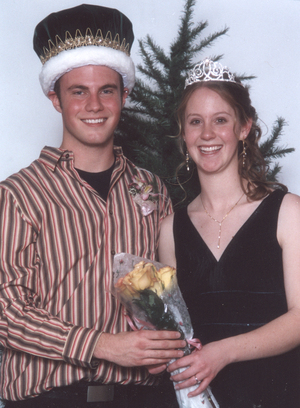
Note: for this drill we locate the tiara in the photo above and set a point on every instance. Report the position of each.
(209, 70)
(80, 41)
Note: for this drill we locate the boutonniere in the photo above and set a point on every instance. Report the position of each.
(144, 194)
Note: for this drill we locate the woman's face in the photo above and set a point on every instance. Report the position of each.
(212, 132)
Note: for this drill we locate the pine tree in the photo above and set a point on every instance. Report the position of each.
(271, 151)
(148, 127)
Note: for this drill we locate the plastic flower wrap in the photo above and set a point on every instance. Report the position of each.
(150, 293)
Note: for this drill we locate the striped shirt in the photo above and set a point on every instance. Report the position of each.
(58, 239)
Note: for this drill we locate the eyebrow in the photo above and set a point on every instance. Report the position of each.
(217, 113)
(85, 88)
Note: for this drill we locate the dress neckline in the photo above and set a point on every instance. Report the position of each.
(239, 231)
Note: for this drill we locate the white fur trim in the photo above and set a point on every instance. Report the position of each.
(67, 60)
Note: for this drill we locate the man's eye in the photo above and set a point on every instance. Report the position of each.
(107, 91)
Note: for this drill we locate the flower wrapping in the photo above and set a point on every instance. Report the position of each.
(150, 293)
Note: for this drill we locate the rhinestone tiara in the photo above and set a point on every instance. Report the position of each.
(79, 40)
(209, 70)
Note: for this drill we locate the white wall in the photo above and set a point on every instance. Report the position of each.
(263, 40)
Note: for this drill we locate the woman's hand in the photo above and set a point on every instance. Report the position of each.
(202, 366)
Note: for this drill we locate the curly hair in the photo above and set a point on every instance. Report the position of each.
(254, 169)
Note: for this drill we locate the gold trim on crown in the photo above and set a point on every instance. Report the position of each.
(80, 41)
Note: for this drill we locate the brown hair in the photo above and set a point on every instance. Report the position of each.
(254, 171)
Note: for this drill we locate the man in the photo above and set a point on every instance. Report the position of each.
(65, 337)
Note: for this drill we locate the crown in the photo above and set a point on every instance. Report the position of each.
(209, 70)
(79, 41)
(91, 35)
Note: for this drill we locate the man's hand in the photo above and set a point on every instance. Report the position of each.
(156, 368)
(140, 348)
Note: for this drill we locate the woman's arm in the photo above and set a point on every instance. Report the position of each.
(276, 337)
(166, 249)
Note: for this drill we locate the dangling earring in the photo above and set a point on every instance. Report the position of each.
(187, 160)
(244, 153)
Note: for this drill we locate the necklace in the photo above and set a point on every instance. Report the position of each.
(220, 222)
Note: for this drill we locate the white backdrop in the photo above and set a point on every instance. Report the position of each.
(263, 40)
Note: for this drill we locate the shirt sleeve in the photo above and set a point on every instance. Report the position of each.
(24, 325)
(165, 203)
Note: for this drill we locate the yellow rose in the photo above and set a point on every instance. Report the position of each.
(157, 287)
(124, 287)
(166, 275)
(145, 276)
(142, 276)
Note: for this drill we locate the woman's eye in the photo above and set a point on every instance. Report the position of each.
(221, 120)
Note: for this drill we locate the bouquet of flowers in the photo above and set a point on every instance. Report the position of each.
(150, 293)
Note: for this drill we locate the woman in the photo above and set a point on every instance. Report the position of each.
(237, 252)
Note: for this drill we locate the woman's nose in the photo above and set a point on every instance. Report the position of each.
(207, 132)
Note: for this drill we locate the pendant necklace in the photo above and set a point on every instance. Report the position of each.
(220, 222)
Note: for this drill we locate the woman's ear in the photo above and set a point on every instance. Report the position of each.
(246, 129)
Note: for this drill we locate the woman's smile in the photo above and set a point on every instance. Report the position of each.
(209, 149)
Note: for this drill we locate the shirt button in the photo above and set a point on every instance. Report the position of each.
(110, 212)
(67, 155)
(113, 252)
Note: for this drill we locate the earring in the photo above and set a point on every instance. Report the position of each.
(187, 161)
(244, 153)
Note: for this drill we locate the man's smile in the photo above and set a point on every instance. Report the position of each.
(94, 121)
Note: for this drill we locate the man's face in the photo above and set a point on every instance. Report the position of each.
(90, 103)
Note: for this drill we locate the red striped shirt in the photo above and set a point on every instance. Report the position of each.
(58, 239)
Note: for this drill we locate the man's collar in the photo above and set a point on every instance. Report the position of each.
(51, 156)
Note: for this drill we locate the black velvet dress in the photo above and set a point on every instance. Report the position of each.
(241, 292)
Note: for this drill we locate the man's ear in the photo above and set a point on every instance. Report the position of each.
(55, 101)
(124, 96)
